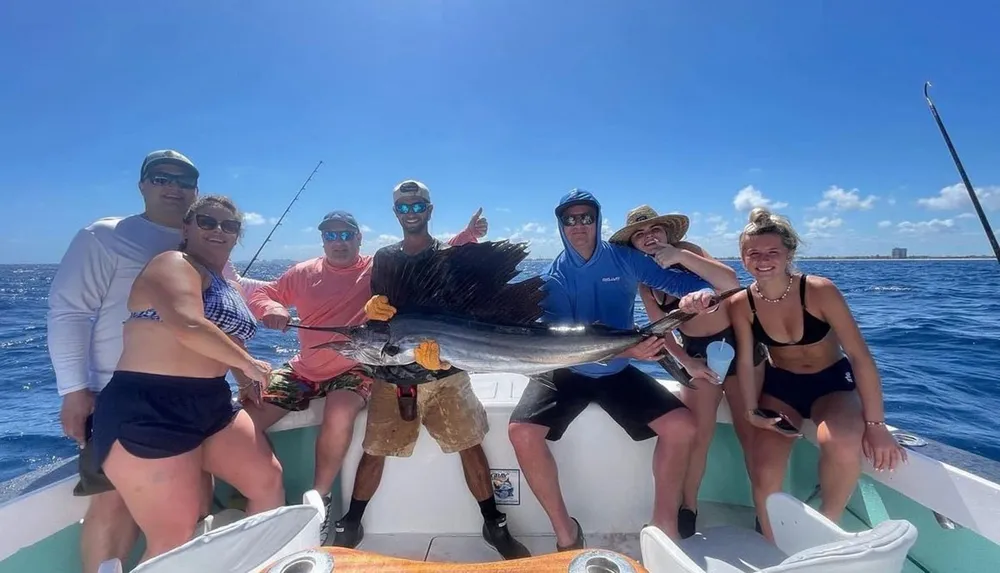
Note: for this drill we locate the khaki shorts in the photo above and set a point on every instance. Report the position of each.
(448, 407)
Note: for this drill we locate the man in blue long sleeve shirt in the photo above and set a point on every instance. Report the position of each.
(595, 281)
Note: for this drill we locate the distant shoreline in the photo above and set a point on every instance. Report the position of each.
(887, 258)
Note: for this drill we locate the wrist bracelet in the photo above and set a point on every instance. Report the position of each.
(875, 423)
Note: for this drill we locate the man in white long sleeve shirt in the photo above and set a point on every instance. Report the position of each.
(87, 306)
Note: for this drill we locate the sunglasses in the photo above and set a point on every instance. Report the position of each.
(209, 223)
(164, 179)
(339, 235)
(574, 220)
(404, 208)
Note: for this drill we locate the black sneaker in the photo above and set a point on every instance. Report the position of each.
(498, 537)
(348, 533)
(578, 543)
(686, 522)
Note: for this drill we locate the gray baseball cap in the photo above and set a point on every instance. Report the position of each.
(411, 188)
(167, 156)
(342, 216)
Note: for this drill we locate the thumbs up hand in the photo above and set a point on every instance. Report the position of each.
(478, 225)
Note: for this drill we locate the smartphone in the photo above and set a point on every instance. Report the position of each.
(783, 425)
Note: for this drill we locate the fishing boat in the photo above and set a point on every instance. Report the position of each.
(938, 513)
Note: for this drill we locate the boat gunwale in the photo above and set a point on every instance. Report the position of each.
(962, 469)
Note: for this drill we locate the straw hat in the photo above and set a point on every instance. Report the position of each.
(675, 224)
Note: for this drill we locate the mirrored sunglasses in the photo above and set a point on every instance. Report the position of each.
(573, 220)
(339, 235)
(404, 208)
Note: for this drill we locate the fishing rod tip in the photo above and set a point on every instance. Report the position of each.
(927, 85)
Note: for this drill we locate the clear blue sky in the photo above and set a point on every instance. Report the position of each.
(702, 108)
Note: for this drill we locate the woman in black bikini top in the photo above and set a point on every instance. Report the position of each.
(811, 373)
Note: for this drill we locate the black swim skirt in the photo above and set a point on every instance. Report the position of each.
(158, 416)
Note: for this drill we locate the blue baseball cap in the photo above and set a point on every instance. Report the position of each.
(342, 216)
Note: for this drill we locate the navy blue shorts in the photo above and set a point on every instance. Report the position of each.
(157, 416)
(800, 391)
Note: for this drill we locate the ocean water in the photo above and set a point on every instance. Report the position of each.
(933, 328)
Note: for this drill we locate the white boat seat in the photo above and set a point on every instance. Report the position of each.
(247, 545)
(806, 542)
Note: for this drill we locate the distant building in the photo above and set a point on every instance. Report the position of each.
(899, 253)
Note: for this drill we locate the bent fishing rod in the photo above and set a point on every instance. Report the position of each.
(281, 218)
(965, 178)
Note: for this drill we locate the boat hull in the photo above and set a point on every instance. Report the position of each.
(607, 483)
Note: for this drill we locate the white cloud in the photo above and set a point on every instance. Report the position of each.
(309, 230)
(957, 197)
(843, 200)
(533, 228)
(890, 201)
(251, 218)
(606, 230)
(927, 227)
(446, 236)
(884, 224)
(824, 223)
(539, 246)
(966, 216)
(749, 197)
(817, 228)
(384, 240)
(366, 229)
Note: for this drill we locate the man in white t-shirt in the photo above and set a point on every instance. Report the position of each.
(87, 305)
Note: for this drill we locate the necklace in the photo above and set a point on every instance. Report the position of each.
(780, 298)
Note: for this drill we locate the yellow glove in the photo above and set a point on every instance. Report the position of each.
(378, 308)
(428, 355)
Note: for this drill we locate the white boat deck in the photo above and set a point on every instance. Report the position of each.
(473, 549)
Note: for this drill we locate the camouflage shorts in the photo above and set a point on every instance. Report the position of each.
(290, 392)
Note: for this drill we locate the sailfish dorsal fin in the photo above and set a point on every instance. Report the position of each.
(470, 281)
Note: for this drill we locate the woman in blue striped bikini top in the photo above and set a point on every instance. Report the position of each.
(224, 307)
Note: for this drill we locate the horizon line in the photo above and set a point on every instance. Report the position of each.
(719, 258)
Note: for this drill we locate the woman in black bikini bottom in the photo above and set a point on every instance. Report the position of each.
(826, 373)
(660, 236)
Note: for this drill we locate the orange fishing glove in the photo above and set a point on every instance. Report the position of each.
(428, 355)
(378, 308)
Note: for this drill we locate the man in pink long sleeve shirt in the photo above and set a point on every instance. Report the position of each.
(330, 290)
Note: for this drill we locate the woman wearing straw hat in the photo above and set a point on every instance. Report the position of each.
(660, 236)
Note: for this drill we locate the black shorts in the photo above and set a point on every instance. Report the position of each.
(631, 397)
(800, 391)
(697, 347)
(92, 478)
(157, 416)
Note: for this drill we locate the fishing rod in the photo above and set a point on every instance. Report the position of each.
(965, 178)
(281, 218)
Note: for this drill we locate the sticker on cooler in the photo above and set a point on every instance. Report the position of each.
(506, 486)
